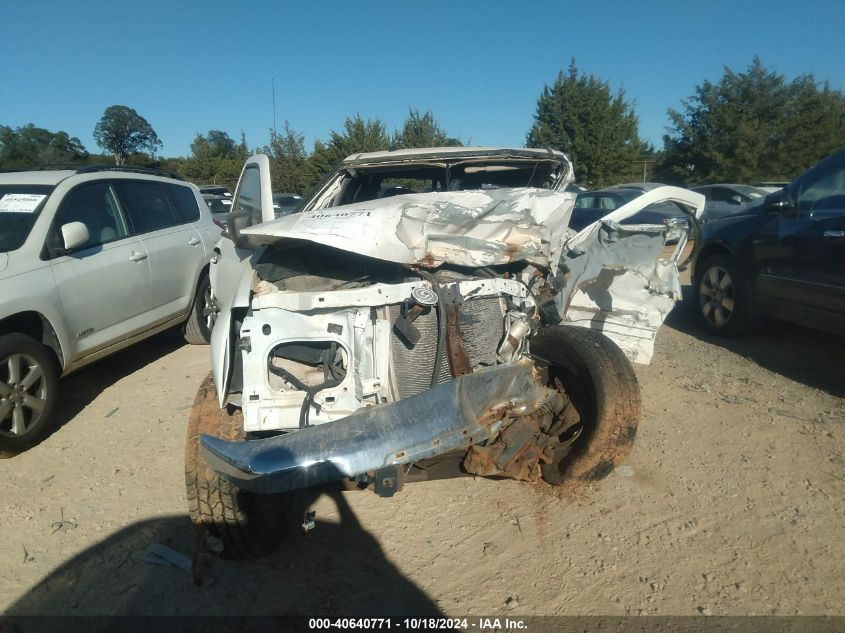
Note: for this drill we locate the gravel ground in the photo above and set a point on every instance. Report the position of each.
(730, 503)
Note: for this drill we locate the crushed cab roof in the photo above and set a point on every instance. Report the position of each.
(451, 152)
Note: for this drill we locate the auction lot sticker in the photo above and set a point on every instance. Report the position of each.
(20, 202)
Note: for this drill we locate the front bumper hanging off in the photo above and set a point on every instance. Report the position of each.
(457, 414)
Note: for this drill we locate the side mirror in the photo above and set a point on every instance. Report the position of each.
(736, 199)
(779, 202)
(74, 234)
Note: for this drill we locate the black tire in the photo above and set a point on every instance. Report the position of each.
(601, 384)
(720, 299)
(29, 381)
(249, 525)
(203, 313)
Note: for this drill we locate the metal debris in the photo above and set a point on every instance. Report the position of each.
(62, 525)
(158, 554)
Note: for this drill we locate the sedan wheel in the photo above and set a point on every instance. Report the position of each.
(722, 301)
(716, 296)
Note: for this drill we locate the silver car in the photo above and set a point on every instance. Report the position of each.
(92, 260)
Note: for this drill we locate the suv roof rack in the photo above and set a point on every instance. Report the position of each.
(54, 167)
(82, 168)
(137, 169)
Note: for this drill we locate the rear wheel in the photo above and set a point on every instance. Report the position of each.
(29, 378)
(248, 524)
(203, 314)
(720, 295)
(601, 384)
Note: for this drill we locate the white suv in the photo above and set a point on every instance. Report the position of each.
(92, 260)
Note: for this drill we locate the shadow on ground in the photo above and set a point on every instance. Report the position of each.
(336, 569)
(80, 388)
(806, 356)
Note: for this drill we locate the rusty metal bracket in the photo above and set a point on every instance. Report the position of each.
(458, 359)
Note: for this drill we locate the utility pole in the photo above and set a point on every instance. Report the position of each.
(645, 165)
(273, 84)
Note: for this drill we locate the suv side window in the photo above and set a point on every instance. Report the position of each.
(184, 202)
(97, 207)
(147, 206)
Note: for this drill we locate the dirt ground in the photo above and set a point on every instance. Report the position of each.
(731, 503)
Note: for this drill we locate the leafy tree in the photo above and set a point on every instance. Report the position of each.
(289, 166)
(215, 158)
(421, 130)
(30, 146)
(122, 131)
(220, 143)
(358, 136)
(752, 125)
(578, 115)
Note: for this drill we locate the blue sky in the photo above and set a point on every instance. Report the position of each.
(188, 67)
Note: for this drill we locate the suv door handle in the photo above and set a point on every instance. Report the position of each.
(835, 233)
(194, 241)
(137, 256)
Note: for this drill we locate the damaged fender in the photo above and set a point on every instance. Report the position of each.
(617, 282)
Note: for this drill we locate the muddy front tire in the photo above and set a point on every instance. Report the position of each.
(601, 383)
(249, 525)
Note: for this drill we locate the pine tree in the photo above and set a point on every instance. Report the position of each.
(579, 116)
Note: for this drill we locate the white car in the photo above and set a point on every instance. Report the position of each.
(92, 260)
(428, 312)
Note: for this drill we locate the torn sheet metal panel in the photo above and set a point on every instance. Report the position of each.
(455, 414)
(617, 285)
(616, 281)
(464, 228)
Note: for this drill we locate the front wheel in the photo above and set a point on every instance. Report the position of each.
(600, 382)
(248, 524)
(29, 379)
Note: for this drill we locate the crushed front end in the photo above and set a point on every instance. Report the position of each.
(390, 340)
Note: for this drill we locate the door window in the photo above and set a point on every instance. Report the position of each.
(607, 203)
(721, 194)
(184, 202)
(147, 206)
(97, 207)
(586, 202)
(822, 194)
(249, 194)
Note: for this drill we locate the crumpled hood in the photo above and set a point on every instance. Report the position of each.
(464, 228)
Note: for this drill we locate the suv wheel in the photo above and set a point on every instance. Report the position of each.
(28, 384)
(720, 297)
(203, 314)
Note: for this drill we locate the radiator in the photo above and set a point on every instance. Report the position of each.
(482, 329)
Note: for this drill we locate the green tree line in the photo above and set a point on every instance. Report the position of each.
(750, 125)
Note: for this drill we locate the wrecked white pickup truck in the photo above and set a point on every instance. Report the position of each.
(426, 314)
